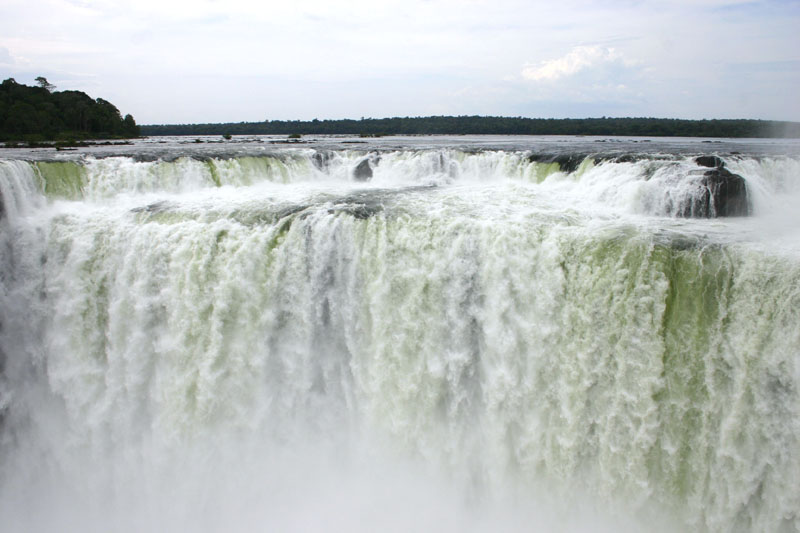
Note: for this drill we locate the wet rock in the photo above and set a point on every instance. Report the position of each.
(363, 205)
(321, 160)
(569, 163)
(710, 161)
(721, 193)
(566, 162)
(363, 171)
(157, 207)
(359, 211)
(728, 193)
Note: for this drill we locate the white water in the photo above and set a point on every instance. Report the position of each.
(467, 342)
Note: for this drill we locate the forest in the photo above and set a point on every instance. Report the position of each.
(481, 125)
(39, 113)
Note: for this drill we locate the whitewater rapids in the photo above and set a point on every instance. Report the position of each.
(473, 340)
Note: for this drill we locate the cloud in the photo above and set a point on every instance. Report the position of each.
(639, 59)
(5, 56)
(577, 60)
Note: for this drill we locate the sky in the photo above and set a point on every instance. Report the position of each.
(193, 61)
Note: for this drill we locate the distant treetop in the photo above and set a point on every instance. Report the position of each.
(481, 125)
(44, 84)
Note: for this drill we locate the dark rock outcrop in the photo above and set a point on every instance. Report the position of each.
(567, 163)
(157, 207)
(721, 193)
(627, 158)
(359, 211)
(363, 171)
(710, 161)
(321, 160)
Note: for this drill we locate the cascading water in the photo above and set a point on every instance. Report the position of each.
(468, 341)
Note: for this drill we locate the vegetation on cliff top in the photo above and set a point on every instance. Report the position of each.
(35, 114)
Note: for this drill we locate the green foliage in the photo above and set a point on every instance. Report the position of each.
(36, 114)
(295, 136)
(475, 125)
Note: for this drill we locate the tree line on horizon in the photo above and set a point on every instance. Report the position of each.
(487, 125)
(36, 114)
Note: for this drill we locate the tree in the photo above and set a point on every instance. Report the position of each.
(130, 129)
(36, 111)
(44, 84)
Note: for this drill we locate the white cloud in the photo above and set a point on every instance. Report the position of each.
(578, 59)
(5, 56)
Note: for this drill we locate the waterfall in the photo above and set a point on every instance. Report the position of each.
(470, 340)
